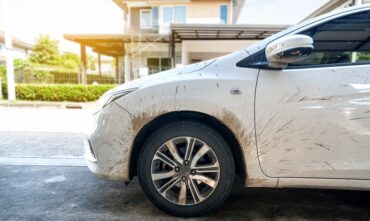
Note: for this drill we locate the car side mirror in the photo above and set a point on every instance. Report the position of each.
(289, 49)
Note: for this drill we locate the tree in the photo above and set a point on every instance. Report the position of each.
(45, 51)
(70, 60)
(91, 62)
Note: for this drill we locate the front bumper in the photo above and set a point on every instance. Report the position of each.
(108, 143)
(89, 155)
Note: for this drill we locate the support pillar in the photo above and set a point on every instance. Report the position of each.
(121, 69)
(99, 64)
(8, 52)
(83, 64)
(117, 71)
(184, 54)
(173, 49)
(127, 68)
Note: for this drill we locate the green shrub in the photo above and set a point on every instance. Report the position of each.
(4, 87)
(75, 93)
(2, 70)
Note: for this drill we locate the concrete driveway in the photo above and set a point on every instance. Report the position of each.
(43, 177)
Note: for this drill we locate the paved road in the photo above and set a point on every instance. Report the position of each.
(60, 188)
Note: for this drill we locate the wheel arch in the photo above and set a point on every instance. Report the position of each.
(208, 120)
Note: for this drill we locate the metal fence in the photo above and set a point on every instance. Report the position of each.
(65, 77)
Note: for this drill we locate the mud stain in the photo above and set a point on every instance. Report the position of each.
(255, 182)
(236, 126)
(141, 119)
(359, 118)
(285, 126)
(245, 136)
(323, 146)
(333, 168)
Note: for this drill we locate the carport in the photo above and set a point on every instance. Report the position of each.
(115, 45)
(112, 45)
(219, 32)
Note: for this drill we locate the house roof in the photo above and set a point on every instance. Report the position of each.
(123, 3)
(224, 31)
(113, 44)
(16, 42)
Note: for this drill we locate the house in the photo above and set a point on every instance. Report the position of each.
(159, 35)
(20, 48)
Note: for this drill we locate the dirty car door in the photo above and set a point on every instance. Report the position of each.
(313, 118)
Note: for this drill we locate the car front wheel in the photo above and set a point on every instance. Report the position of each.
(186, 169)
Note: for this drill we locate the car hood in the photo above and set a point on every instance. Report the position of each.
(159, 77)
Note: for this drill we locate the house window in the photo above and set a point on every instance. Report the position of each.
(179, 14)
(223, 14)
(158, 64)
(145, 19)
(155, 16)
(167, 15)
(176, 14)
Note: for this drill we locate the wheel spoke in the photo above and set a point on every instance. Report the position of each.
(189, 147)
(182, 194)
(172, 148)
(203, 150)
(167, 186)
(194, 191)
(163, 175)
(204, 179)
(165, 159)
(212, 168)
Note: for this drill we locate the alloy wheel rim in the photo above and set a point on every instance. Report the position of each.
(185, 171)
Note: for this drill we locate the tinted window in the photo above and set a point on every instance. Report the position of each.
(342, 41)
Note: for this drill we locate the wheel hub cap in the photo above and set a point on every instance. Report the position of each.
(185, 170)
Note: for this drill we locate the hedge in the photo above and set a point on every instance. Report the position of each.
(75, 93)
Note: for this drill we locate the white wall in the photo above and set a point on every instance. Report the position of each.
(17, 52)
(204, 50)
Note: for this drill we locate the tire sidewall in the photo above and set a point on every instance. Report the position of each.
(206, 135)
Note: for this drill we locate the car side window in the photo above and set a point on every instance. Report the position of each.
(345, 40)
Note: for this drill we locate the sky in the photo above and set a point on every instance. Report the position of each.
(282, 12)
(29, 18)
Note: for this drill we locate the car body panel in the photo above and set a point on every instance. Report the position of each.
(316, 123)
(200, 91)
(110, 139)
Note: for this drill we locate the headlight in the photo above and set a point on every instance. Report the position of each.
(106, 99)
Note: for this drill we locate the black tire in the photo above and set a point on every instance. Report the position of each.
(218, 145)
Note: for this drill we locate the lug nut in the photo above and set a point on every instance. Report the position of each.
(193, 171)
(177, 169)
(183, 178)
(186, 162)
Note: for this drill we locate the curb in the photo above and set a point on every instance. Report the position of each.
(60, 105)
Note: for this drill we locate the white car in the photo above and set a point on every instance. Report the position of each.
(292, 110)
